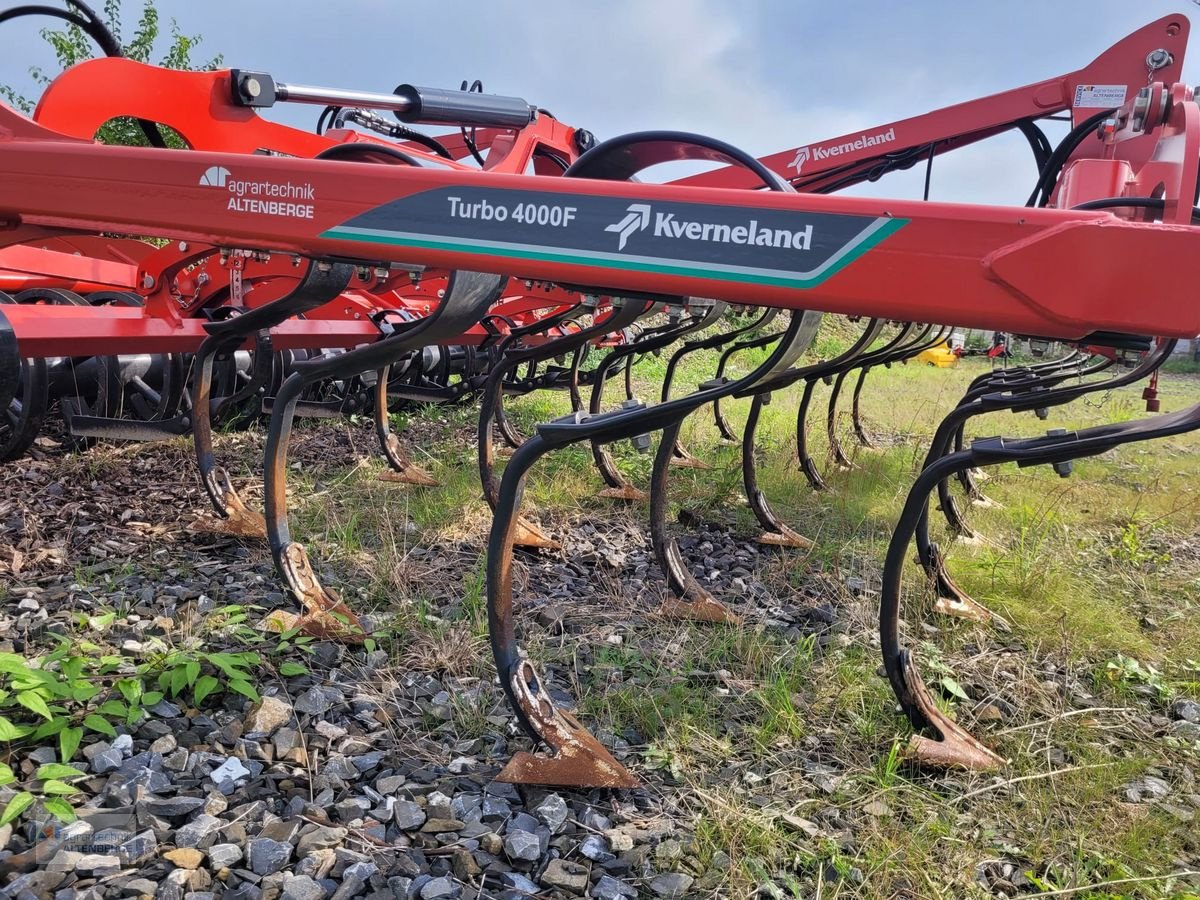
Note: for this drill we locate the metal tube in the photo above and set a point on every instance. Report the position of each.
(326, 96)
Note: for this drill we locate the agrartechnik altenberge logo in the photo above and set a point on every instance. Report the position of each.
(279, 197)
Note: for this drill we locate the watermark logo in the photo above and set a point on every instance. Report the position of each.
(215, 176)
(94, 833)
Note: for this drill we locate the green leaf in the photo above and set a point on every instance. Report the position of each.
(82, 693)
(6, 774)
(68, 742)
(290, 669)
(51, 728)
(100, 724)
(205, 686)
(57, 770)
(16, 806)
(151, 697)
(61, 788)
(130, 688)
(192, 670)
(60, 809)
(953, 687)
(164, 681)
(113, 708)
(13, 664)
(35, 703)
(179, 680)
(10, 732)
(245, 688)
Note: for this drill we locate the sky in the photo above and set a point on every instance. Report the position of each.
(764, 76)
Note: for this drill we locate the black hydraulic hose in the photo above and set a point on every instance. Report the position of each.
(1155, 203)
(1049, 174)
(357, 151)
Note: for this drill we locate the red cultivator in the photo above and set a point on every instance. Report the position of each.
(349, 270)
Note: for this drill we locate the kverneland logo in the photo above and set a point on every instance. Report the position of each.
(748, 232)
(818, 153)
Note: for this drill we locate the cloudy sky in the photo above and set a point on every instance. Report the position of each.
(765, 75)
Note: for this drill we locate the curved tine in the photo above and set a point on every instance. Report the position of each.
(654, 339)
(322, 282)
(401, 469)
(511, 436)
(578, 758)
(723, 426)
(686, 597)
(573, 380)
(899, 345)
(467, 298)
(955, 747)
(775, 531)
(622, 315)
(860, 429)
(835, 443)
(679, 454)
(824, 371)
(1034, 382)
(807, 465)
(1017, 399)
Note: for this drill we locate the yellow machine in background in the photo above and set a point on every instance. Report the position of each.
(939, 355)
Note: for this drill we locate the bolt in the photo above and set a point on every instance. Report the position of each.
(1158, 59)
(1065, 467)
(251, 87)
(147, 281)
(640, 442)
(1042, 413)
(323, 266)
(183, 246)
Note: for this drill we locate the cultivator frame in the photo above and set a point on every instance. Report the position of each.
(387, 255)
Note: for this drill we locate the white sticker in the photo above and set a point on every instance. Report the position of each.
(1100, 96)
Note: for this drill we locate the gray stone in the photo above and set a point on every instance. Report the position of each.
(97, 864)
(553, 811)
(407, 815)
(138, 849)
(199, 832)
(224, 856)
(323, 837)
(671, 884)
(440, 889)
(1146, 789)
(609, 888)
(519, 882)
(301, 887)
(351, 886)
(1186, 710)
(267, 715)
(569, 876)
(361, 870)
(227, 775)
(107, 761)
(319, 699)
(595, 848)
(268, 856)
(522, 846)
(170, 807)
